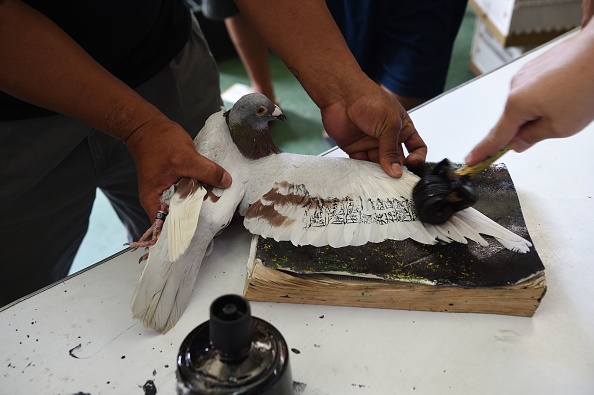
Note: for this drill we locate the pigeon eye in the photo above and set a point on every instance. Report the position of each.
(262, 110)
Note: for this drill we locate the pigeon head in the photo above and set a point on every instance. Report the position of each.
(248, 121)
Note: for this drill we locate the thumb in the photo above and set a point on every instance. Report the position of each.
(209, 172)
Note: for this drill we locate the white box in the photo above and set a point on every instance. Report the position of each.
(527, 22)
(487, 53)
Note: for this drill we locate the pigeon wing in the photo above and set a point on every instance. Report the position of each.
(336, 202)
(351, 202)
(184, 210)
(166, 284)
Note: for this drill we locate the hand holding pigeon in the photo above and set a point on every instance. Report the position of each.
(308, 200)
(374, 130)
(161, 165)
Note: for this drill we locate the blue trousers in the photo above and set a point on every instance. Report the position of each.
(404, 44)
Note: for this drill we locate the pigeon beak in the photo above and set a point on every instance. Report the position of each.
(278, 114)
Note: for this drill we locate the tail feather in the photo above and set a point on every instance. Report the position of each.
(165, 287)
(164, 291)
(166, 306)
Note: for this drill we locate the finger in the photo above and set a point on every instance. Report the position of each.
(502, 133)
(373, 155)
(364, 144)
(210, 173)
(415, 145)
(520, 145)
(390, 152)
(359, 156)
(391, 159)
(151, 203)
(200, 168)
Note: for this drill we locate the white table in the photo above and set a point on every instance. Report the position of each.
(77, 336)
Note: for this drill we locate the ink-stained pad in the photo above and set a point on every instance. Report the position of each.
(407, 274)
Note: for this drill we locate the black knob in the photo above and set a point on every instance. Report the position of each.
(231, 330)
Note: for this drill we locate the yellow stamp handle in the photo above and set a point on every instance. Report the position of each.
(473, 171)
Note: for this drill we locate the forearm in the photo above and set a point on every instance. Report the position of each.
(41, 64)
(304, 36)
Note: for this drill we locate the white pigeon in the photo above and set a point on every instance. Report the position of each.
(308, 200)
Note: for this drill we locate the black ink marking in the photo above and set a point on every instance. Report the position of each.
(298, 387)
(322, 212)
(82, 393)
(296, 351)
(72, 350)
(154, 372)
(322, 316)
(149, 388)
(123, 357)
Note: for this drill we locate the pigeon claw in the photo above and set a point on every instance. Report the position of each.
(153, 232)
(144, 257)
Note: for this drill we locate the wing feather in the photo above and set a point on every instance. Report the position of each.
(340, 202)
(184, 211)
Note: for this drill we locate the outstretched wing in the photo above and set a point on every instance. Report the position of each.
(350, 202)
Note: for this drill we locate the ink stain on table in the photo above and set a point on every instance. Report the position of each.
(149, 388)
(296, 351)
(298, 387)
(71, 352)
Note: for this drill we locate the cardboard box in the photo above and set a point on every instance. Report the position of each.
(527, 22)
(488, 54)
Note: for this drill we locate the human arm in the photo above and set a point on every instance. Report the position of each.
(41, 64)
(587, 11)
(551, 96)
(363, 119)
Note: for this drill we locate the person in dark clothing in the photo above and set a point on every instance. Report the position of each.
(403, 45)
(109, 94)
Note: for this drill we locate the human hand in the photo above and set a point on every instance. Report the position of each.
(373, 126)
(550, 97)
(164, 153)
(587, 11)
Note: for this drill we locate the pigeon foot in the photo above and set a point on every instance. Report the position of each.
(153, 232)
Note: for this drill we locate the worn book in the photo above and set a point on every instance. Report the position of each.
(406, 274)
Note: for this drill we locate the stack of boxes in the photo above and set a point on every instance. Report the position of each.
(505, 29)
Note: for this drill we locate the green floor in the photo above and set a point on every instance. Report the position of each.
(302, 131)
(300, 134)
